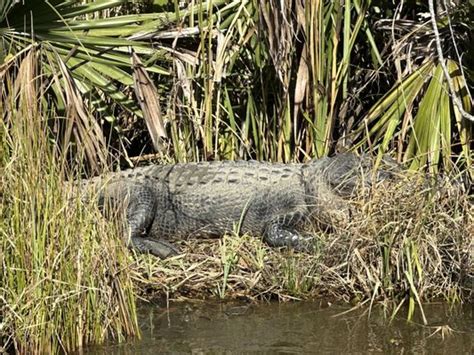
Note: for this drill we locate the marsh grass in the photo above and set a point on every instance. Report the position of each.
(406, 244)
(238, 89)
(65, 274)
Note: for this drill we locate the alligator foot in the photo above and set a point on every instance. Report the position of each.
(159, 248)
(279, 236)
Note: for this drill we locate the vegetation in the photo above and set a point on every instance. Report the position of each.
(247, 79)
(402, 246)
(88, 86)
(64, 280)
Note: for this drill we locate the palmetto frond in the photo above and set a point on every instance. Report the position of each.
(84, 60)
(417, 116)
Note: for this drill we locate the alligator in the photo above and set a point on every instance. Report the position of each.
(272, 200)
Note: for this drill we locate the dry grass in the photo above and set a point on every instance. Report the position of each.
(64, 279)
(405, 244)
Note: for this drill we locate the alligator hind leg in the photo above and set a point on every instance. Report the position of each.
(278, 235)
(141, 211)
(134, 203)
(159, 248)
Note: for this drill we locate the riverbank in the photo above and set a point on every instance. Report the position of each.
(69, 281)
(405, 244)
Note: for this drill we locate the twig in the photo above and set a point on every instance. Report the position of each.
(456, 99)
(455, 46)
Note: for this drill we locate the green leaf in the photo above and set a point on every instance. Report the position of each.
(423, 145)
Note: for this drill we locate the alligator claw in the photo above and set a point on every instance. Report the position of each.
(159, 248)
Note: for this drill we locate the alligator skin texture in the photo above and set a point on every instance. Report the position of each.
(159, 203)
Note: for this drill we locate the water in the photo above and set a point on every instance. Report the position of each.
(302, 327)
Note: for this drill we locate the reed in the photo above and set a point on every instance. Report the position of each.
(65, 272)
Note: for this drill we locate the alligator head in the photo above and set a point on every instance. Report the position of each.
(346, 173)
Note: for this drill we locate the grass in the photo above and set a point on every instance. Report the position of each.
(65, 273)
(67, 278)
(69, 281)
(405, 244)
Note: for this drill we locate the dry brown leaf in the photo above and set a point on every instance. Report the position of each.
(25, 84)
(149, 101)
(87, 131)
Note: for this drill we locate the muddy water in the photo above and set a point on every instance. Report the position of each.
(295, 328)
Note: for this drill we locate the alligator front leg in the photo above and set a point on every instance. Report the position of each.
(277, 235)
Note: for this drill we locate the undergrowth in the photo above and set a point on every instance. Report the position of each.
(405, 244)
(65, 281)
